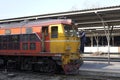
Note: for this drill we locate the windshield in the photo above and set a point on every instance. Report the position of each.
(70, 30)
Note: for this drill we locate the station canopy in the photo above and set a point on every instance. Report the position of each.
(96, 19)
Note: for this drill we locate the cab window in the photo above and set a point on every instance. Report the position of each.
(69, 30)
(54, 32)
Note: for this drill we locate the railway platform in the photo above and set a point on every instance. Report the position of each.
(100, 70)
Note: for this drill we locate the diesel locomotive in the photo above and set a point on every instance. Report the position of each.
(42, 45)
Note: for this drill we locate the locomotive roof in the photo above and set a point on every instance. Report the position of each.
(27, 23)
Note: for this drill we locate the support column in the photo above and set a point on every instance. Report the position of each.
(107, 33)
(97, 43)
(96, 39)
(108, 40)
(112, 40)
(91, 38)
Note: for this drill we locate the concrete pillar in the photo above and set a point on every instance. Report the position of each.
(91, 38)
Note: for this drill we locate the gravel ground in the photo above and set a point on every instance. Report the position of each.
(35, 76)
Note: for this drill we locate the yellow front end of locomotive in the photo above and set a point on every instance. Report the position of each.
(65, 42)
(62, 43)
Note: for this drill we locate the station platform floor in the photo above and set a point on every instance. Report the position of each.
(115, 55)
(100, 68)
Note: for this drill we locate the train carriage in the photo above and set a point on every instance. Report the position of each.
(45, 46)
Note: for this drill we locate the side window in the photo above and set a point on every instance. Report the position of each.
(25, 46)
(15, 38)
(5, 38)
(54, 32)
(0, 46)
(0, 39)
(32, 46)
(25, 37)
(29, 30)
(33, 37)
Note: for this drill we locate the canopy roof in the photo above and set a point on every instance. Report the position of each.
(106, 16)
(84, 18)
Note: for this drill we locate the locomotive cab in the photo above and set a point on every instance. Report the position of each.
(64, 39)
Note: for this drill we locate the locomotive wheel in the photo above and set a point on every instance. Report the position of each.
(45, 66)
(26, 64)
(11, 64)
(50, 66)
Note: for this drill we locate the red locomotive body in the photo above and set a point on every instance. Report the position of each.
(32, 46)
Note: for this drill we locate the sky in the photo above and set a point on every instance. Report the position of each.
(21, 8)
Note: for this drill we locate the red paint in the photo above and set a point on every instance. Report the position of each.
(37, 28)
